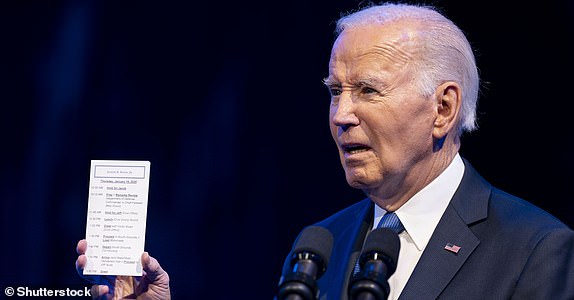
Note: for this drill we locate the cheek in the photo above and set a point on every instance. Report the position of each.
(399, 141)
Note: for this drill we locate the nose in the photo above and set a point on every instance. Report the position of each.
(343, 114)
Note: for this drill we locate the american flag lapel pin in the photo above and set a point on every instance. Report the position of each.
(452, 248)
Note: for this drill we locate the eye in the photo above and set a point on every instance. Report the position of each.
(335, 91)
(368, 90)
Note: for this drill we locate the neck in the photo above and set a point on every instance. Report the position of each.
(393, 195)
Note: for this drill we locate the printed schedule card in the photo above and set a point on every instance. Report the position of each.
(117, 211)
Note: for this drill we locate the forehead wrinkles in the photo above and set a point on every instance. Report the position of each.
(385, 52)
(398, 51)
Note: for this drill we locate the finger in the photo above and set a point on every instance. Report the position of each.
(155, 280)
(81, 264)
(145, 260)
(81, 260)
(81, 247)
(99, 291)
(149, 264)
(151, 267)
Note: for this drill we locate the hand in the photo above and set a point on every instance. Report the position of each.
(153, 285)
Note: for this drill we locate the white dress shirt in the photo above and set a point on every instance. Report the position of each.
(420, 216)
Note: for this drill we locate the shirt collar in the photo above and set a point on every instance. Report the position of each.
(421, 214)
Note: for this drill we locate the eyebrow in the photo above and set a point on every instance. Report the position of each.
(330, 81)
(369, 81)
(365, 81)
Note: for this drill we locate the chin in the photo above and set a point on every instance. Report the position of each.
(358, 182)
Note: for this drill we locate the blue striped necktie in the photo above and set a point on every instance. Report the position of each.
(391, 221)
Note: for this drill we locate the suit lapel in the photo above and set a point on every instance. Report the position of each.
(437, 266)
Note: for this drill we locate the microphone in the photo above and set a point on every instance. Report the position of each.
(308, 262)
(378, 261)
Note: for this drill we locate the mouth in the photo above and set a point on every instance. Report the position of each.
(354, 148)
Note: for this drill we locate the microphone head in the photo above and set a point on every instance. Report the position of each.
(382, 242)
(317, 240)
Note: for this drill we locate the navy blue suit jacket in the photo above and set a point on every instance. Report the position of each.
(510, 249)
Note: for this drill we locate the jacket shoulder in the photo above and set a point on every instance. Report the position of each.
(522, 214)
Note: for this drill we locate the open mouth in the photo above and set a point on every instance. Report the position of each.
(355, 148)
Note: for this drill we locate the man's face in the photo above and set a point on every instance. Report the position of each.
(378, 118)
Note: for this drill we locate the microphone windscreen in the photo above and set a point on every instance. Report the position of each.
(317, 240)
(384, 241)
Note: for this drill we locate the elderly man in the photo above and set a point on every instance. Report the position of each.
(404, 87)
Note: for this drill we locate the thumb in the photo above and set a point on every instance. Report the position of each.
(151, 267)
(155, 280)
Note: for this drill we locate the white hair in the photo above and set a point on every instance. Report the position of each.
(448, 55)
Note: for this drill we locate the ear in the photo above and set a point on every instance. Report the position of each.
(448, 97)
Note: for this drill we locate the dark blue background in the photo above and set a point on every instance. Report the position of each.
(226, 101)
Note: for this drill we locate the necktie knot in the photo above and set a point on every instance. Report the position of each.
(391, 220)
